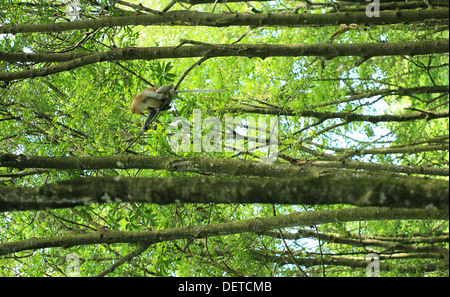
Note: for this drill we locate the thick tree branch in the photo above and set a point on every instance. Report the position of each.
(262, 51)
(199, 165)
(307, 190)
(202, 165)
(332, 261)
(194, 18)
(255, 225)
(347, 116)
(388, 92)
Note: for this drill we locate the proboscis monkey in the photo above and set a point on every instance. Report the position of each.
(154, 100)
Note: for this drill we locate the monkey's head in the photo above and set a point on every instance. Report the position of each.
(136, 107)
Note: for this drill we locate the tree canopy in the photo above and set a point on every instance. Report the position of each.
(327, 154)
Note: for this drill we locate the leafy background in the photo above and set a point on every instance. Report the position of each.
(85, 112)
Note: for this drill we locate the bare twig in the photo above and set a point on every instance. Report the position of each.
(139, 7)
(287, 247)
(142, 248)
(169, 6)
(203, 59)
(131, 143)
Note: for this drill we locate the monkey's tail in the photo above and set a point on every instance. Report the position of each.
(200, 91)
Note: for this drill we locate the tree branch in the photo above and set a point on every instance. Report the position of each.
(255, 225)
(142, 248)
(228, 167)
(314, 191)
(262, 51)
(347, 116)
(190, 18)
